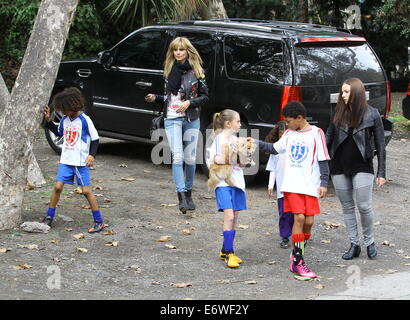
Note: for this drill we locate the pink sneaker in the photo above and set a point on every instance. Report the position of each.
(302, 270)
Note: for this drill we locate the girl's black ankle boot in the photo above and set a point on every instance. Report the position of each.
(353, 252)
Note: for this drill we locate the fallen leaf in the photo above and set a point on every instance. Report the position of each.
(112, 244)
(181, 285)
(170, 246)
(4, 250)
(168, 204)
(56, 260)
(128, 179)
(400, 251)
(106, 200)
(79, 236)
(136, 268)
(331, 225)
(123, 165)
(53, 241)
(156, 283)
(98, 194)
(319, 286)
(82, 250)
(251, 282)
(78, 190)
(186, 232)
(391, 271)
(301, 278)
(242, 226)
(22, 266)
(98, 188)
(387, 243)
(406, 257)
(84, 206)
(147, 171)
(68, 229)
(325, 241)
(271, 262)
(164, 239)
(341, 265)
(28, 246)
(109, 232)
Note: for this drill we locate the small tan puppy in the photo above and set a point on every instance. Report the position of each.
(239, 152)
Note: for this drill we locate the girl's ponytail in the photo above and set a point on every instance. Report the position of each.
(216, 122)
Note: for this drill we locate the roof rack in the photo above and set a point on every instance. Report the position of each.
(227, 24)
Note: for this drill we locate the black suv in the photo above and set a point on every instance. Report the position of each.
(252, 66)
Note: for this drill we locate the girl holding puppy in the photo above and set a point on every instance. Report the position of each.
(230, 199)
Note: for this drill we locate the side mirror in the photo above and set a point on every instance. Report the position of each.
(105, 58)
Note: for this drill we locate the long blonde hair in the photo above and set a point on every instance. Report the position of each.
(193, 58)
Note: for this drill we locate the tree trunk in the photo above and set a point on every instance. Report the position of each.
(35, 177)
(303, 11)
(30, 93)
(214, 10)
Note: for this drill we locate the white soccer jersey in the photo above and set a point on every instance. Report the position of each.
(237, 172)
(304, 149)
(277, 164)
(77, 134)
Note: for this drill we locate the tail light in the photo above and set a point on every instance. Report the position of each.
(290, 93)
(388, 99)
(408, 90)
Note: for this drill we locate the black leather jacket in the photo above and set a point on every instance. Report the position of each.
(195, 90)
(369, 136)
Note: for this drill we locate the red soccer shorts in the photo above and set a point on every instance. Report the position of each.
(301, 203)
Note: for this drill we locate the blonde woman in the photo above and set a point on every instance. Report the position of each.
(185, 92)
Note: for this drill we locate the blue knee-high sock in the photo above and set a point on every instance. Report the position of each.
(97, 216)
(229, 236)
(51, 212)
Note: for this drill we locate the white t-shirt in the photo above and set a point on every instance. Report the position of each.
(237, 172)
(174, 104)
(277, 164)
(77, 134)
(303, 149)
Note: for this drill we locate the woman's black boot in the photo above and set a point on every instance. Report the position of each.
(353, 252)
(371, 251)
(190, 202)
(183, 205)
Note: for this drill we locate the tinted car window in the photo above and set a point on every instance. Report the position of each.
(203, 44)
(332, 65)
(144, 50)
(254, 59)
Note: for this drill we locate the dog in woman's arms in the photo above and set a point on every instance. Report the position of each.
(238, 153)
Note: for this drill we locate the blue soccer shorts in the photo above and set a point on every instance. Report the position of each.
(67, 173)
(230, 198)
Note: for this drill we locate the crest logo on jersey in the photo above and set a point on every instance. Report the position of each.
(299, 151)
(71, 135)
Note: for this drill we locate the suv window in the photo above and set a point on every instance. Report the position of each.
(254, 59)
(144, 50)
(202, 43)
(331, 65)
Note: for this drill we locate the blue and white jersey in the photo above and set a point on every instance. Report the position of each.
(304, 150)
(77, 135)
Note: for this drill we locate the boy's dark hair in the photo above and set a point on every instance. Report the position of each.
(70, 99)
(294, 109)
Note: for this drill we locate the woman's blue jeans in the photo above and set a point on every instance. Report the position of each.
(182, 137)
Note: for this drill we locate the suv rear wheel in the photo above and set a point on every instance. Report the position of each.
(54, 141)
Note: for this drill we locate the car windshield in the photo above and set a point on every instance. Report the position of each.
(333, 64)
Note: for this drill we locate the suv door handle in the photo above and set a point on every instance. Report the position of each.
(84, 73)
(143, 84)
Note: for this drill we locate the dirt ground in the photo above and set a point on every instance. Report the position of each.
(143, 210)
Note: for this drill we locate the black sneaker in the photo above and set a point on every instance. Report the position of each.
(47, 220)
(98, 226)
(285, 243)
